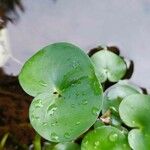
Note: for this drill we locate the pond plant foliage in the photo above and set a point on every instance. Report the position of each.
(83, 101)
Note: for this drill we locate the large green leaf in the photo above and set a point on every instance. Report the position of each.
(108, 65)
(114, 95)
(105, 138)
(135, 112)
(67, 93)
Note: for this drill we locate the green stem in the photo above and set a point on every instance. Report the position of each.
(3, 141)
(37, 142)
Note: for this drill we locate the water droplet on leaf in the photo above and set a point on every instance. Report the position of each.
(84, 102)
(35, 117)
(86, 142)
(77, 123)
(67, 135)
(95, 111)
(113, 137)
(43, 83)
(53, 124)
(54, 136)
(38, 104)
(51, 109)
(113, 109)
(96, 143)
(44, 123)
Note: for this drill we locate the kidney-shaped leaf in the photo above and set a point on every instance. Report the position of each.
(67, 93)
(114, 95)
(105, 138)
(135, 112)
(108, 65)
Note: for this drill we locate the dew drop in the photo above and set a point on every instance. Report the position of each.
(44, 123)
(38, 104)
(72, 84)
(113, 109)
(84, 102)
(54, 136)
(32, 117)
(67, 135)
(43, 83)
(86, 142)
(51, 109)
(73, 105)
(113, 137)
(95, 111)
(35, 117)
(77, 123)
(53, 124)
(97, 143)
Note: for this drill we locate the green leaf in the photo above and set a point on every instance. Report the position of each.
(115, 94)
(68, 96)
(48, 146)
(135, 112)
(98, 123)
(108, 66)
(115, 121)
(105, 138)
(67, 146)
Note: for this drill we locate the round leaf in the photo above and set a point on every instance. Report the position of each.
(108, 65)
(135, 112)
(67, 93)
(67, 146)
(114, 95)
(105, 138)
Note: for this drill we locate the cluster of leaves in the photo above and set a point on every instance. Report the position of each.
(70, 107)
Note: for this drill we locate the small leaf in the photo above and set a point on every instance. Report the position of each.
(105, 138)
(98, 123)
(108, 66)
(135, 112)
(68, 96)
(67, 146)
(114, 95)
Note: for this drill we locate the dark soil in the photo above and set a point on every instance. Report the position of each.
(14, 105)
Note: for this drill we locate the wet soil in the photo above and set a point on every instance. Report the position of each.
(14, 105)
